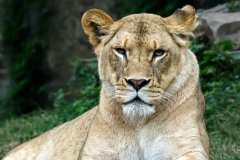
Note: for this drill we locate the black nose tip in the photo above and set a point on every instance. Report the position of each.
(137, 83)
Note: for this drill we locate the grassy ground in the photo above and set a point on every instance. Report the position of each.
(224, 136)
(17, 130)
(223, 130)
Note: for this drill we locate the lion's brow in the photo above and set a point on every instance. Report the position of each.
(113, 34)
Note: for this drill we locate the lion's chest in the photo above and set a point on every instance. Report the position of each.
(144, 148)
(157, 148)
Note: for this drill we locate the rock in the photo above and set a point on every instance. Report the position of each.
(235, 55)
(222, 26)
(67, 41)
(219, 8)
(219, 25)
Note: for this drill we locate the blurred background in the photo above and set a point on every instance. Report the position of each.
(48, 70)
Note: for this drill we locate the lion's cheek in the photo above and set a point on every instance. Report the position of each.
(170, 77)
(120, 99)
(106, 72)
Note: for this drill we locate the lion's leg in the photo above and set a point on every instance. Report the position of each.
(194, 156)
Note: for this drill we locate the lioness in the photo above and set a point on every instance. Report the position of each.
(151, 105)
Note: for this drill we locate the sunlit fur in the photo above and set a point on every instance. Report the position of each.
(159, 120)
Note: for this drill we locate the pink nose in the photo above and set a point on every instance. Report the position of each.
(137, 83)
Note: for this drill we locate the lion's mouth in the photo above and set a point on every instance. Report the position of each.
(136, 100)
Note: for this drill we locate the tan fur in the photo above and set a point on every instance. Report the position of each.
(164, 123)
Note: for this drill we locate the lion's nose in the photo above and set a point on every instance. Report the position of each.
(137, 83)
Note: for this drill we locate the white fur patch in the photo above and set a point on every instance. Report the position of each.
(137, 109)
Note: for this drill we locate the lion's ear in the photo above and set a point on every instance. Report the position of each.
(181, 24)
(96, 23)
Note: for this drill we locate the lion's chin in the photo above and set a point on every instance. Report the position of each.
(137, 109)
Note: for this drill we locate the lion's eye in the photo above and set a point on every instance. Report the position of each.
(121, 51)
(159, 53)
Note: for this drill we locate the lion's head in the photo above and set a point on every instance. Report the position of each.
(144, 59)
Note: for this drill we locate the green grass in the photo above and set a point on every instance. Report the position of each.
(17, 130)
(223, 130)
(224, 134)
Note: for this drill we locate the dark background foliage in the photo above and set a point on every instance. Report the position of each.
(23, 28)
(165, 8)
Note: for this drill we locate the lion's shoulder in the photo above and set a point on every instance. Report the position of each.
(68, 137)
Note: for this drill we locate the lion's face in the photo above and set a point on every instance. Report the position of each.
(141, 60)
(139, 57)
